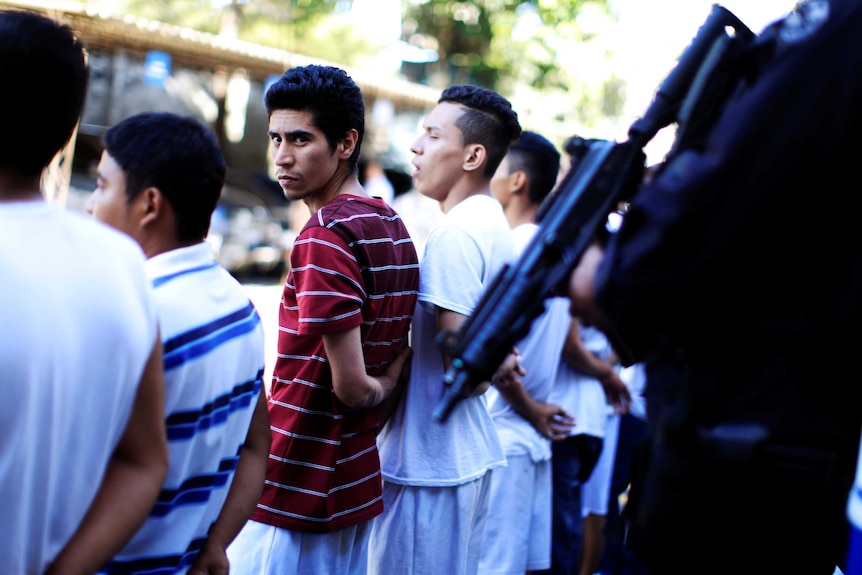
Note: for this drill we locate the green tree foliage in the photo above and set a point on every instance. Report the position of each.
(484, 41)
(316, 28)
(547, 56)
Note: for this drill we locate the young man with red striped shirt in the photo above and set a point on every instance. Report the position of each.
(346, 309)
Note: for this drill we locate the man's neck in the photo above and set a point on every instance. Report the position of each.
(461, 192)
(522, 216)
(159, 246)
(344, 181)
(17, 188)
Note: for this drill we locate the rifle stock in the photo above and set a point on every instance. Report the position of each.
(569, 220)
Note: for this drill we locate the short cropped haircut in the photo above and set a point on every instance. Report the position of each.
(489, 120)
(45, 77)
(539, 159)
(330, 94)
(177, 154)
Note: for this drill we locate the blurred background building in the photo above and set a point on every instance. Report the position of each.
(139, 65)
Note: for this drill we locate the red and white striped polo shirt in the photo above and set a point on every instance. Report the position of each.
(352, 264)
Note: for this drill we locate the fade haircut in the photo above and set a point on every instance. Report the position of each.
(177, 154)
(45, 76)
(536, 156)
(330, 94)
(489, 120)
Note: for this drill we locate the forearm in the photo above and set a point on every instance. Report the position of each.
(521, 401)
(247, 484)
(376, 390)
(131, 483)
(583, 360)
(549, 420)
(352, 385)
(242, 498)
(371, 391)
(128, 493)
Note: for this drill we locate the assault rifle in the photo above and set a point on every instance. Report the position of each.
(607, 174)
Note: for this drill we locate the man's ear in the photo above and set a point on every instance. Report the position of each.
(475, 156)
(518, 181)
(345, 146)
(151, 206)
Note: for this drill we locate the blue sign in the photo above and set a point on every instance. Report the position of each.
(157, 68)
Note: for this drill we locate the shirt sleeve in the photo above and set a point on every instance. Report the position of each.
(451, 276)
(329, 286)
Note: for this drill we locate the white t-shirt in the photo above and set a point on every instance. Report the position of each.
(78, 325)
(583, 395)
(595, 492)
(463, 253)
(540, 353)
(380, 187)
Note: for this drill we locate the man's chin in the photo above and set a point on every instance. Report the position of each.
(292, 193)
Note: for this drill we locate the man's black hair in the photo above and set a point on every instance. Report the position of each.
(540, 159)
(180, 156)
(489, 120)
(45, 79)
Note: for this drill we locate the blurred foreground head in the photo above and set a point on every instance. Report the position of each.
(45, 76)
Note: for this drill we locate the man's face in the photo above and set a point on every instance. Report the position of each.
(501, 183)
(108, 203)
(439, 152)
(304, 162)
